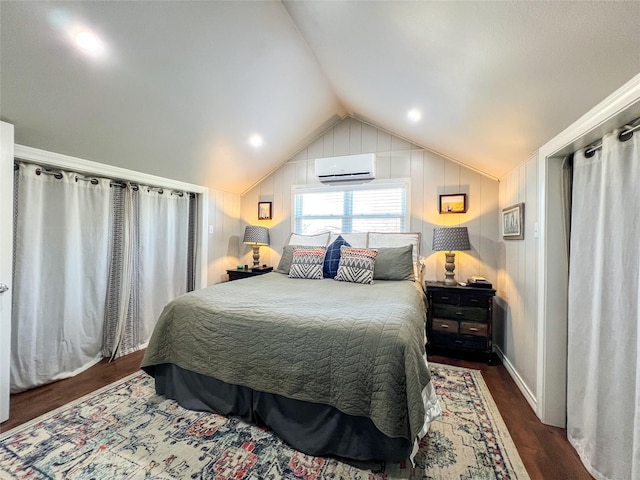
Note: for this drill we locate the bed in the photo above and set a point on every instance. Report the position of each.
(334, 368)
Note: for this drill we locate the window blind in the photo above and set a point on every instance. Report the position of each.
(375, 207)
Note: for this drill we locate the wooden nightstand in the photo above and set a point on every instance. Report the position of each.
(238, 273)
(459, 318)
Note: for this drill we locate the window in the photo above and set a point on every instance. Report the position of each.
(374, 207)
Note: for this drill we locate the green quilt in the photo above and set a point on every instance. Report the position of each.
(357, 347)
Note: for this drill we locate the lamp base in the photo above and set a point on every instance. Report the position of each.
(450, 266)
(256, 255)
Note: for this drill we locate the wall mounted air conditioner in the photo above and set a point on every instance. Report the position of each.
(346, 167)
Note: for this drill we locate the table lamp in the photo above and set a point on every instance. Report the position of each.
(256, 236)
(449, 239)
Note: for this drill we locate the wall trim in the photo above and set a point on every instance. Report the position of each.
(552, 274)
(109, 171)
(520, 383)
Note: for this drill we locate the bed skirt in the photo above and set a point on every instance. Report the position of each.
(311, 428)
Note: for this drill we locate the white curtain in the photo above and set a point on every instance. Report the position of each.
(148, 263)
(603, 389)
(163, 237)
(60, 275)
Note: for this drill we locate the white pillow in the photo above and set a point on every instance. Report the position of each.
(358, 240)
(316, 240)
(377, 240)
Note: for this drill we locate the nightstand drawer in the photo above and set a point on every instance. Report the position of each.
(450, 326)
(475, 301)
(448, 298)
(467, 342)
(476, 314)
(470, 328)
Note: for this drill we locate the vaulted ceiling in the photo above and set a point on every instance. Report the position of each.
(180, 88)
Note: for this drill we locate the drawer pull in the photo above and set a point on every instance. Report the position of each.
(444, 326)
(474, 300)
(444, 298)
(473, 329)
(459, 313)
(459, 341)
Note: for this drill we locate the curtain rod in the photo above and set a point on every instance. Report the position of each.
(57, 174)
(623, 136)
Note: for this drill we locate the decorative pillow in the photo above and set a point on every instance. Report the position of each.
(394, 263)
(355, 239)
(332, 258)
(356, 265)
(393, 239)
(284, 265)
(307, 262)
(317, 240)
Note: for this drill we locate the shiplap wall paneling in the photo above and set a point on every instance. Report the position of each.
(430, 174)
(530, 284)
(517, 286)
(431, 184)
(471, 184)
(416, 170)
(489, 226)
(224, 216)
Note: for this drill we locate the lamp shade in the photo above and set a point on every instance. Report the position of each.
(256, 235)
(450, 238)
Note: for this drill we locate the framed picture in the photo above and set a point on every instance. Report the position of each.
(455, 203)
(513, 222)
(264, 210)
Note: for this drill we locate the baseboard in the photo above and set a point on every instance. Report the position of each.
(528, 394)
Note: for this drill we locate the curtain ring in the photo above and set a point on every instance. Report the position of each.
(56, 175)
(625, 135)
(590, 152)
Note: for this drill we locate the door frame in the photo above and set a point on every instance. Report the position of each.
(620, 107)
(6, 261)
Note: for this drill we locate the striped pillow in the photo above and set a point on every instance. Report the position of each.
(356, 265)
(307, 262)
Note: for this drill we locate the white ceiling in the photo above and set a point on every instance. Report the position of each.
(183, 85)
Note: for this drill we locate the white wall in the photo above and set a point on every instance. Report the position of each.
(224, 217)
(430, 174)
(515, 317)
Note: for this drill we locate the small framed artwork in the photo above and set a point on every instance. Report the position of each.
(264, 210)
(455, 203)
(513, 222)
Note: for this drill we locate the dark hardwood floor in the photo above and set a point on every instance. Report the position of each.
(544, 450)
(33, 403)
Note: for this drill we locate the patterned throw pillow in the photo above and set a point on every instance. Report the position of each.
(332, 258)
(356, 265)
(307, 262)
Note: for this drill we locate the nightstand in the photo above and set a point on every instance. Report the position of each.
(238, 273)
(459, 318)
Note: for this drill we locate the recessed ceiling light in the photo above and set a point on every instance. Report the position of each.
(414, 115)
(89, 42)
(256, 140)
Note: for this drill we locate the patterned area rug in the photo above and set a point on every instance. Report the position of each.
(125, 431)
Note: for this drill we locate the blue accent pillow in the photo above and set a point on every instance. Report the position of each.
(332, 257)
